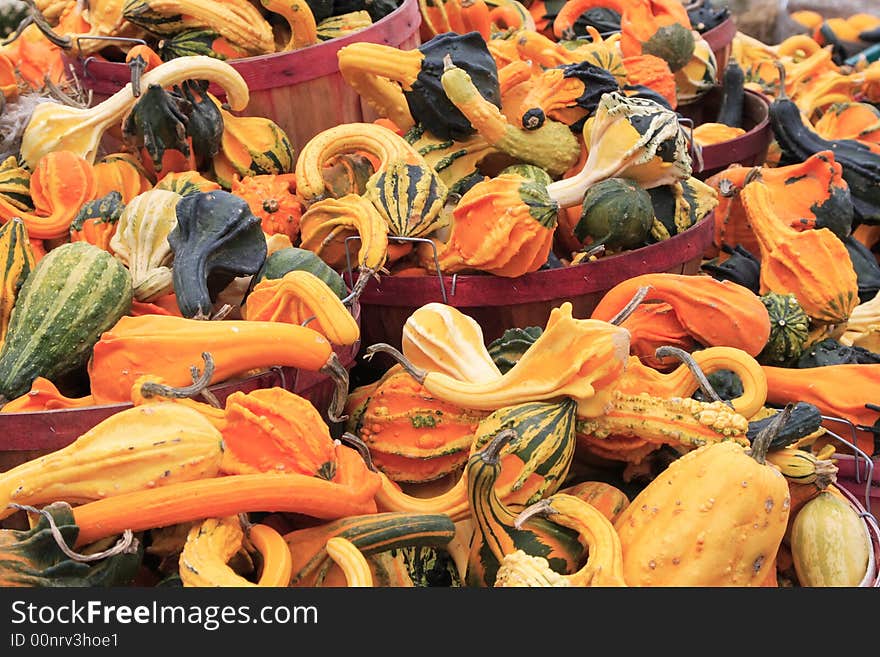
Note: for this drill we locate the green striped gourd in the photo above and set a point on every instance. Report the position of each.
(337, 26)
(789, 329)
(372, 534)
(496, 533)
(293, 258)
(410, 197)
(17, 263)
(15, 184)
(509, 348)
(75, 293)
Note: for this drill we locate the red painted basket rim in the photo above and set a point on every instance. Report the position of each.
(286, 68)
(545, 285)
(747, 145)
(720, 35)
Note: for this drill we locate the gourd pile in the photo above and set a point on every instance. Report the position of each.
(158, 243)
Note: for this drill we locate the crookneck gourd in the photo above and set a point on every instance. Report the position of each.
(632, 138)
(328, 224)
(502, 225)
(54, 127)
(141, 242)
(715, 313)
(129, 350)
(604, 565)
(215, 239)
(737, 488)
(97, 220)
(300, 297)
(578, 358)
(551, 146)
(406, 86)
(134, 449)
(496, 531)
(75, 292)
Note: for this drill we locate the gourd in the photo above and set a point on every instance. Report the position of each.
(198, 41)
(298, 297)
(293, 258)
(503, 225)
(861, 167)
(655, 325)
(789, 329)
(44, 396)
(730, 111)
(551, 146)
(740, 267)
(506, 350)
(300, 18)
(238, 21)
(496, 533)
(212, 543)
(376, 70)
(186, 182)
(75, 292)
(61, 183)
(631, 138)
(328, 223)
(669, 38)
(805, 419)
(715, 313)
(866, 266)
(97, 220)
(829, 543)
(343, 24)
(863, 326)
(411, 436)
(441, 338)
(410, 197)
(534, 462)
(707, 520)
(135, 449)
(616, 213)
(128, 350)
(17, 263)
(650, 76)
(813, 264)
(350, 493)
(801, 467)
(270, 198)
(698, 76)
(370, 534)
(575, 358)
(354, 565)
(830, 351)
(215, 239)
(604, 566)
(15, 184)
(53, 127)
(567, 94)
(607, 499)
(141, 242)
(32, 558)
(250, 146)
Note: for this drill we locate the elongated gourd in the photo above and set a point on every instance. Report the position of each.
(132, 450)
(54, 127)
(167, 346)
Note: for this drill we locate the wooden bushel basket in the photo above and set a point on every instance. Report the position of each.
(499, 303)
(302, 91)
(720, 40)
(749, 149)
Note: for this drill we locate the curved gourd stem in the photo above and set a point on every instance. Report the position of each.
(630, 308)
(491, 453)
(199, 384)
(783, 94)
(127, 544)
(356, 443)
(42, 24)
(336, 371)
(415, 372)
(539, 508)
(761, 442)
(693, 366)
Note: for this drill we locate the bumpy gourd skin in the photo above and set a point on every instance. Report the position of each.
(714, 517)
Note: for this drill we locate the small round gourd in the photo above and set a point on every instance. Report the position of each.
(410, 197)
(789, 329)
(673, 43)
(616, 213)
